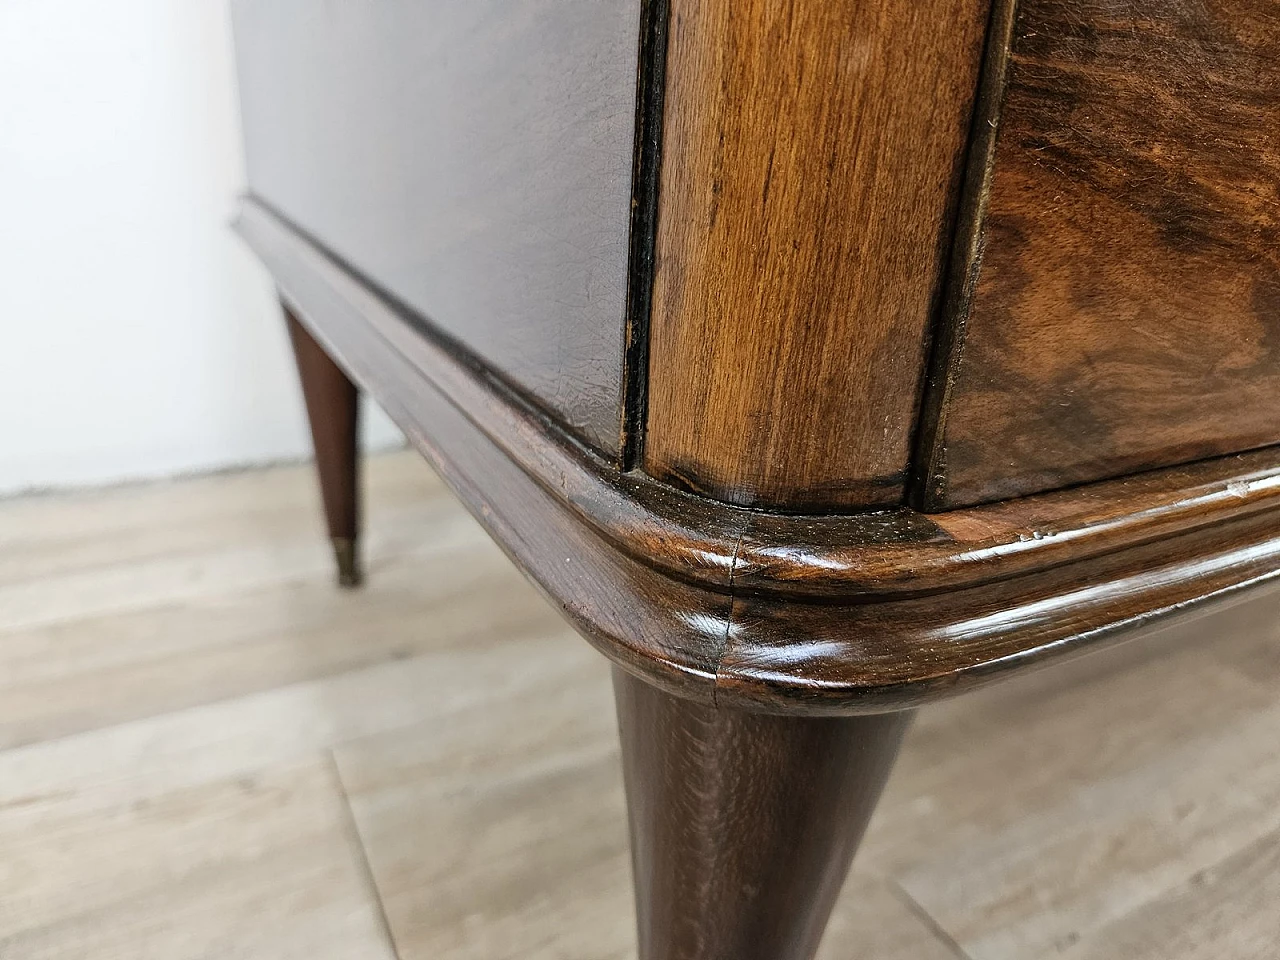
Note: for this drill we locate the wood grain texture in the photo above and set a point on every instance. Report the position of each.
(1133, 816)
(882, 553)
(1121, 307)
(1226, 910)
(699, 632)
(207, 820)
(1098, 810)
(474, 158)
(811, 159)
(514, 811)
(258, 865)
(743, 826)
(593, 584)
(333, 413)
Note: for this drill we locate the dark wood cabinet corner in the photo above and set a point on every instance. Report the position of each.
(818, 361)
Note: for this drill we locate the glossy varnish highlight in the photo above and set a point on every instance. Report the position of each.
(743, 825)
(696, 598)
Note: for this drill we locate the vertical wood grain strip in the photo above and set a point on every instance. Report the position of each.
(812, 154)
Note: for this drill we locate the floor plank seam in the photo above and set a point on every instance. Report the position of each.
(214, 703)
(170, 769)
(352, 829)
(926, 918)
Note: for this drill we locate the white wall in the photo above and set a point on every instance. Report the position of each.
(138, 336)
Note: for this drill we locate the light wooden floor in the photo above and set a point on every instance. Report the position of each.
(206, 751)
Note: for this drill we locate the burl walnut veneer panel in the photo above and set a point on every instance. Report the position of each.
(1124, 304)
(471, 157)
(812, 152)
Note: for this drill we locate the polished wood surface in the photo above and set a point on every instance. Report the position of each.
(716, 424)
(333, 413)
(742, 825)
(1122, 808)
(1122, 309)
(636, 615)
(471, 157)
(682, 618)
(811, 159)
(877, 554)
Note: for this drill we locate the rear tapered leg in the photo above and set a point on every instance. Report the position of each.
(332, 408)
(743, 825)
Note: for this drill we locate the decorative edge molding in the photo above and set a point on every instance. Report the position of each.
(884, 553)
(800, 614)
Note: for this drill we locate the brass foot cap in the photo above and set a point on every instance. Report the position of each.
(349, 573)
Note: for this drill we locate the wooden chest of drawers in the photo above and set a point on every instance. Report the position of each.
(818, 359)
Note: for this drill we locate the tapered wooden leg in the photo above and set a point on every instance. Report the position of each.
(332, 407)
(743, 825)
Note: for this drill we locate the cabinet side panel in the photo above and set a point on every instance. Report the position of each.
(812, 153)
(1126, 297)
(471, 157)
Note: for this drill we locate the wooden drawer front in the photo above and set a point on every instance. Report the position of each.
(1125, 302)
(473, 158)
